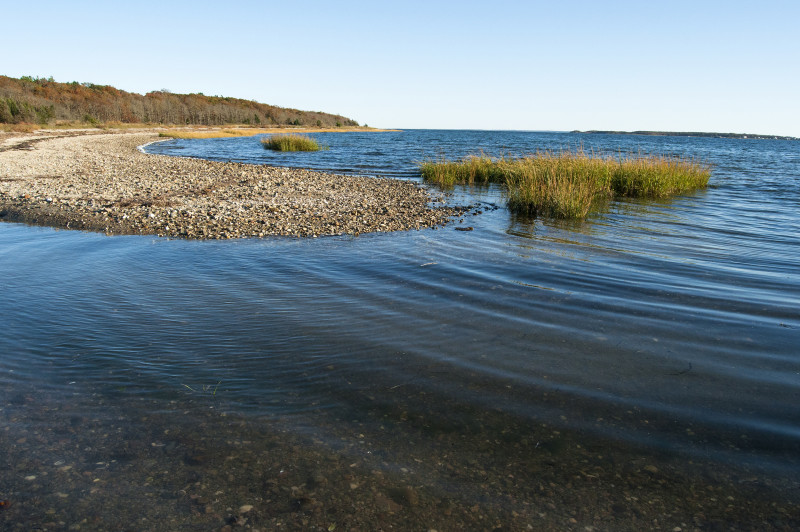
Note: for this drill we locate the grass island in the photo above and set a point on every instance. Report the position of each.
(570, 184)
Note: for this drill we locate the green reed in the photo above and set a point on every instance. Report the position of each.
(292, 142)
(571, 184)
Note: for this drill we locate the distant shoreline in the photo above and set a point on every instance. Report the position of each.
(690, 134)
(197, 132)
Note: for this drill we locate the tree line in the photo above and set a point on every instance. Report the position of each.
(43, 101)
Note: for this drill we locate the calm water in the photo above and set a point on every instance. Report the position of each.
(674, 325)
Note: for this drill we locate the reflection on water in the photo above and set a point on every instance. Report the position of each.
(516, 367)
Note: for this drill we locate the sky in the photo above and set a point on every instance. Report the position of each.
(729, 66)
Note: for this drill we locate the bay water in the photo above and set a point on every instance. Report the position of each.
(668, 327)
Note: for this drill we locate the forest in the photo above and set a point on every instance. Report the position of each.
(44, 101)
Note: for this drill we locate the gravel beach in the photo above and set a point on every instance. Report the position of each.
(101, 182)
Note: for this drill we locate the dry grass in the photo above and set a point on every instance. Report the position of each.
(572, 184)
(66, 125)
(213, 133)
(19, 128)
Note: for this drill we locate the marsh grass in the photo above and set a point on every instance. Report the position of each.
(291, 142)
(658, 176)
(472, 170)
(571, 184)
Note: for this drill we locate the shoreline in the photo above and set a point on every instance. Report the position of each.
(100, 181)
(228, 132)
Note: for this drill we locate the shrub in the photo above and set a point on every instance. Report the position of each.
(5, 113)
(45, 113)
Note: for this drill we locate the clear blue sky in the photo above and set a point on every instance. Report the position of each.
(728, 66)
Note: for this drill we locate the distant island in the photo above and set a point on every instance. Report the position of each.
(689, 134)
(46, 102)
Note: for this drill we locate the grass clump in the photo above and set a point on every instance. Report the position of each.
(472, 170)
(290, 143)
(566, 185)
(571, 184)
(658, 176)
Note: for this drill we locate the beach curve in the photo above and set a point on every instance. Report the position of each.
(105, 182)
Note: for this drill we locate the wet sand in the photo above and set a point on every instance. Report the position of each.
(101, 182)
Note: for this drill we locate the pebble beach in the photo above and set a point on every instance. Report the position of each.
(102, 182)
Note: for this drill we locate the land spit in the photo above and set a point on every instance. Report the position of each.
(101, 182)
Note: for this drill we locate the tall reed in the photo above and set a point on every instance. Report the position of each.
(570, 184)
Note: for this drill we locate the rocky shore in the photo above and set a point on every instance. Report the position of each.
(101, 182)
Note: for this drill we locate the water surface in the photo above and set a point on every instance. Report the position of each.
(669, 326)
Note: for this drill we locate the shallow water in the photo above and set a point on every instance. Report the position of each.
(669, 326)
